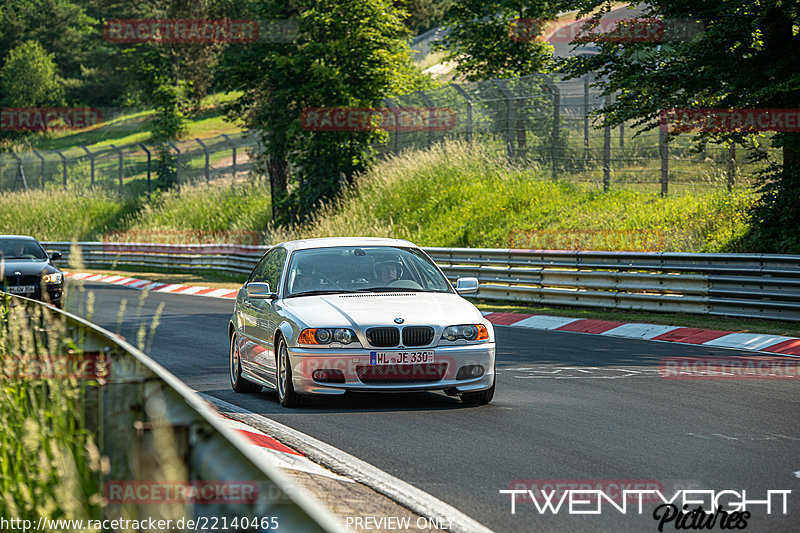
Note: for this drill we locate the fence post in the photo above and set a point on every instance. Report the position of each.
(664, 151)
(606, 157)
(501, 84)
(63, 168)
(119, 170)
(91, 166)
(20, 178)
(428, 102)
(41, 165)
(586, 119)
(178, 164)
(143, 147)
(466, 97)
(397, 144)
(731, 165)
(622, 135)
(233, 146)
(556, 123)
(205, 150)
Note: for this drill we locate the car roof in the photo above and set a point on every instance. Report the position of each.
(23, 237)
(330, 242)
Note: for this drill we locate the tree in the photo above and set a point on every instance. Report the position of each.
(29, 78)
(747, 56)
(424, 14)
(482, 41)
(347, 53)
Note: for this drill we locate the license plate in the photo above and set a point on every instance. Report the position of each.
(20, 289)
(401, 358)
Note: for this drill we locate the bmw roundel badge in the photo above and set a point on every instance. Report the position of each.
(398, 320)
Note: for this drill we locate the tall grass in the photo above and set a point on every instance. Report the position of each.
(50, 465)
(459, 194)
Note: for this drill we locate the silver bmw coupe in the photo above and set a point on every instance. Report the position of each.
(326, 316)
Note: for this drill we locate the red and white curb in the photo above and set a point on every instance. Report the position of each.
(757, 342)
(279, 454)
(145, 285)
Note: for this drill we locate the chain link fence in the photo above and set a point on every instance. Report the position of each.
(550, 122)
(127, 168)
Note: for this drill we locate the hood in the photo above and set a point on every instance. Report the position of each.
(25, 267)
(379, 309)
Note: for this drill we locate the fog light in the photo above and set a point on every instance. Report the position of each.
(470, 372)
(328, 375)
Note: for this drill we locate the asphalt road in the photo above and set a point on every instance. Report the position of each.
(568, 407)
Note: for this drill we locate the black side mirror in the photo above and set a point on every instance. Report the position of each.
(55, 255)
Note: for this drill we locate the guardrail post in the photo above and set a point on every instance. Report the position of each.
(178, 164)
(731, 165)
(119, 170)
(233, 147)
(664, 151)
(205, 150)
(143, 147)
(91, 166)
(63, 167)
(467, 98)
(41, 165)
(20, 178)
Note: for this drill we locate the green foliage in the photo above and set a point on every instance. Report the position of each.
(481, 44)
(424, 14)
(745, 57)
(29, 78)
(347, 54)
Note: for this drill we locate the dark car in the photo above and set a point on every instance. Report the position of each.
(27, 270)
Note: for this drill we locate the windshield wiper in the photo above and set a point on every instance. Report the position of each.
(317, 293)
(393, 289)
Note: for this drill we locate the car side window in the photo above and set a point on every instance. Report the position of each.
(272, 268)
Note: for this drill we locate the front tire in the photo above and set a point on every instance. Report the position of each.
(286, 394)
(478, 398)
(238, 383)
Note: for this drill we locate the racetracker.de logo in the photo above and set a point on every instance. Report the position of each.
(374, 119)
(729, 368)
(681, 120)
(85, 366)
(181, 31)
(49, 118)
(613, 30)
(197, 492)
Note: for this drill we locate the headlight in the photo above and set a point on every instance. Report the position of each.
(470, 332)
(326, 336)
(53, 279)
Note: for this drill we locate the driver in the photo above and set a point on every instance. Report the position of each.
(19, 249)
(388, 271)
(302, 283)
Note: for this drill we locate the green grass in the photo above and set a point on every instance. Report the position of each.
(133, 127)
(459, 194)
(50, 465)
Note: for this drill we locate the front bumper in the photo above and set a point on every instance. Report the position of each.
(352, 363)
(52, 293)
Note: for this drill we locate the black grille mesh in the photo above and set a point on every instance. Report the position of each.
(383, 337)
(417, 335)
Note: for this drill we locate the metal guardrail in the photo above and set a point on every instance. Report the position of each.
(155, 429)
(744, 285)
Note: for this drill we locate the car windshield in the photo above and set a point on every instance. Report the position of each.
(362, 269)
(21, 249)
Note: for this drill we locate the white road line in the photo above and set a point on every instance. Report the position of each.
(343, 463)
